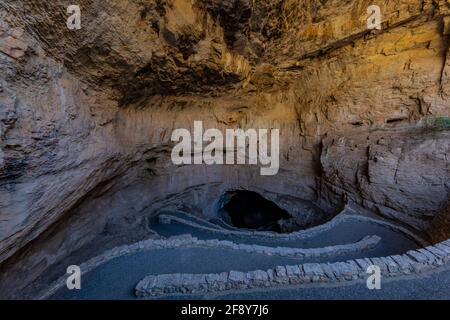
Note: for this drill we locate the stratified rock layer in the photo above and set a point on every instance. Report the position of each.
(86, 116)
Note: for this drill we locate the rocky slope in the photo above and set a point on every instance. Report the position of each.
(86, 115)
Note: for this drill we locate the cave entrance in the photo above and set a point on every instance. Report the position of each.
(249, 210)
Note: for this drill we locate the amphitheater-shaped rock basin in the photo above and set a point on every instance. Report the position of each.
(196, 257)
(86, 170)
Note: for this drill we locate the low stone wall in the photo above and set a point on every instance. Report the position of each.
(414, 261)
(411, 262)
(346, 215)
(187, 241)
(186, 216)
(168, 219)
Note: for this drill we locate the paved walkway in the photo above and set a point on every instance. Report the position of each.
(343, 233)
(117, 278)
(433, 286)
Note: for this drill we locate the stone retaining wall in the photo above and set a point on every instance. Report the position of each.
(187, 241)
(197, 219)
(414, 261)
(168, 219)
(346, 215)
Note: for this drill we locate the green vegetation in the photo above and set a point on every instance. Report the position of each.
(440, 123)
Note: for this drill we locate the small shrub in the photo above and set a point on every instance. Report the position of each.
(442, 123)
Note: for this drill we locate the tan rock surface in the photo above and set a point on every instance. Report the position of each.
(86, 116)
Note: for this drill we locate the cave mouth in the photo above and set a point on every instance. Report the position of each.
(250, 210)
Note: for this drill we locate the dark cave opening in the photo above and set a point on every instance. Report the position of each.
(249, 210)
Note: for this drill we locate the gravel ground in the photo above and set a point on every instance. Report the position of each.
(344, 233)
(117, 278)
(433, 286)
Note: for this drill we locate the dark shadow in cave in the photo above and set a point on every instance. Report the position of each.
(249, 210)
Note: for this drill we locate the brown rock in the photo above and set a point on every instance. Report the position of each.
(86, 116)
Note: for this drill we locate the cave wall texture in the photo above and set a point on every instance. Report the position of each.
(86, 115)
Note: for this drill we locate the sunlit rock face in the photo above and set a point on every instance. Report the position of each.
(86, 116)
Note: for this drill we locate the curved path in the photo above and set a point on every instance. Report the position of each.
(117, 278)
(432, 286)
(343, 232)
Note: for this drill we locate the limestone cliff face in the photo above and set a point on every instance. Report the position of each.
(441, 224)
(86, 116)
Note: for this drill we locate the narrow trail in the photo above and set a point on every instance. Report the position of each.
(117, 278)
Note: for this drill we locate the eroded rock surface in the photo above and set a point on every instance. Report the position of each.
(86, 116)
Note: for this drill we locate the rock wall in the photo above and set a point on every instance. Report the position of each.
(86, 116)
(441, 224)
